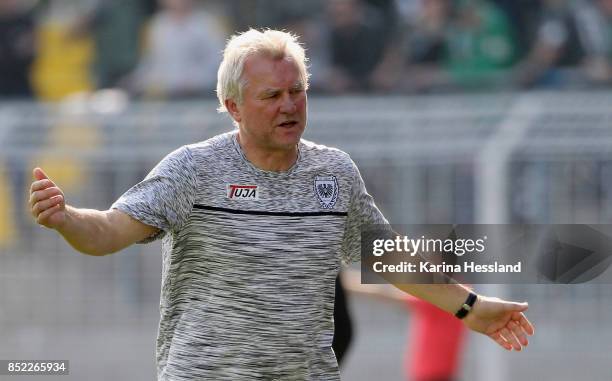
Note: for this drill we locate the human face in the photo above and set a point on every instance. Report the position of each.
(272, 115)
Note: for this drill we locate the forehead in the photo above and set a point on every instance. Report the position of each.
(261, 72)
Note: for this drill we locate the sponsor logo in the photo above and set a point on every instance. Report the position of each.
(326, 189)
(242, 192)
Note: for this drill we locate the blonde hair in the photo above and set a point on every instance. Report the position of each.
(273, 43)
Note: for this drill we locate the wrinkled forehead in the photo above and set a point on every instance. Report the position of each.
(261, 70)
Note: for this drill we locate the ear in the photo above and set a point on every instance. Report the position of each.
(233, 109)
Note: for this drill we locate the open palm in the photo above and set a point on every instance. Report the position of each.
(502, 321)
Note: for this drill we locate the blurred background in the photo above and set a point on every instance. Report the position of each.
(456, 111)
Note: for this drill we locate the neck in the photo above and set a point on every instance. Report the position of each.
(274, 160)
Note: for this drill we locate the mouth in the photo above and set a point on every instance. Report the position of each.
(288, 124)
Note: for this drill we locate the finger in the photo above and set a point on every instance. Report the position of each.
(510, 338)
(44, 194)
(43, 205)
(39, 174)
(518, 332)
(41, 184)
(42, 218)
(524, 322)
(501, 341)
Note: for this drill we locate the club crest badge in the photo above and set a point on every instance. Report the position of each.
(326, 189)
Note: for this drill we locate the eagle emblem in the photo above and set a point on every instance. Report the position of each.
(326, 189)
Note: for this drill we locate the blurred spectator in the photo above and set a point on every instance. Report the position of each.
(115, 26)
(413, 64)
(426, 34)
(275, 14)
(436, 339)
(436, 342)
(313, 35)
(17, 48)
(446, 44)
(524, 17)
(558, 48)
(343, 325)
(387, 9)
(357, 43)
(595, 22)
(183, 53)
(480, 44)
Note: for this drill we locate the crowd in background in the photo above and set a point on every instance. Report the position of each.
(171, 48)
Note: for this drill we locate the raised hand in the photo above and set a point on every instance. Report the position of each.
(47, 203)
(502, 321)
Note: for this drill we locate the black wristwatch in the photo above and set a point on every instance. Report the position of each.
(467, 306)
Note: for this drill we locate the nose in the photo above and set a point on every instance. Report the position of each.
(287, 104)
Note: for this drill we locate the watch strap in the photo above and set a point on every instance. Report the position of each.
(467, 306)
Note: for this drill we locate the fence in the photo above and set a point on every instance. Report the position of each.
(491, 158)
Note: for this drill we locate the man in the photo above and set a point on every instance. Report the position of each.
(17, 48)
(256, 223)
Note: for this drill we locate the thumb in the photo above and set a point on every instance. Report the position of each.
(517, 307)
(39, 174)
